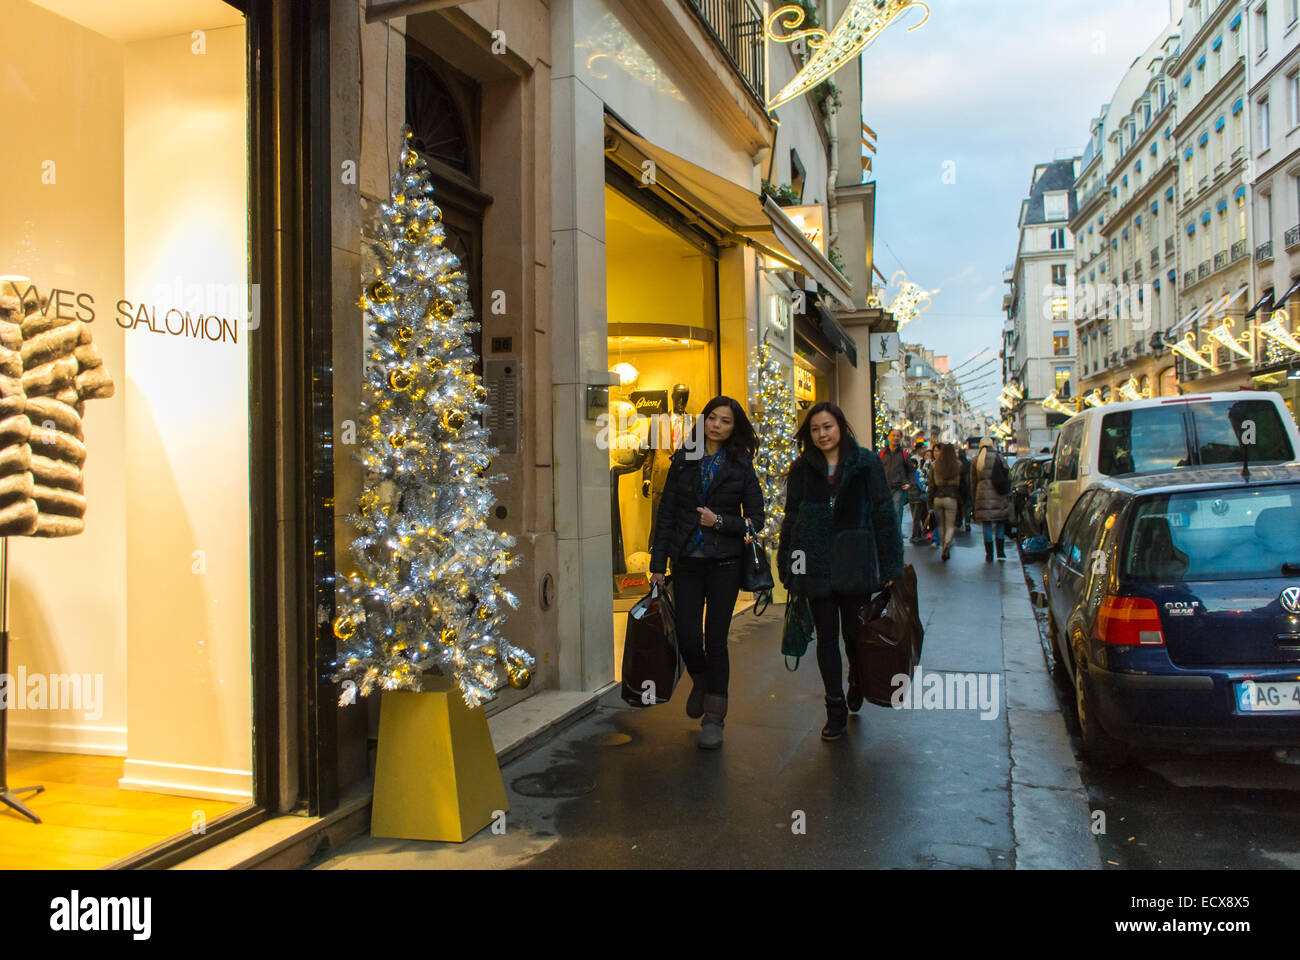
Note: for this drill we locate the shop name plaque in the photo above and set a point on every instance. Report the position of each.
(501, 377)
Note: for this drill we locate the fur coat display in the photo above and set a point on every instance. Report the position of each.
(49, 367)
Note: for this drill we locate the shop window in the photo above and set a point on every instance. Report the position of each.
(1061, 343)
(124, 277)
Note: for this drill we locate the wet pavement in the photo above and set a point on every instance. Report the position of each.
(928, 788)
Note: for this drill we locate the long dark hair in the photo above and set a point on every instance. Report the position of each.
(947, 468)
(803, 438)
(742, 440)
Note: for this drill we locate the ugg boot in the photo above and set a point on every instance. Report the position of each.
(837, 718)
(715, 711)
(988, 552)
(1001, 553)
(695, 702)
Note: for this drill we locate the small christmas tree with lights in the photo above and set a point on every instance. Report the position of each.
(426, 591)
(775, 425)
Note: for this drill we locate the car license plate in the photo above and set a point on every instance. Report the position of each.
(1255, 697)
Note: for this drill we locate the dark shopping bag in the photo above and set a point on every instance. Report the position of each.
(797, 632)
(889, 640)
(756, 572)
(652, 662)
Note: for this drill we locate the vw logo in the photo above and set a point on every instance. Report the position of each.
(1291, 599)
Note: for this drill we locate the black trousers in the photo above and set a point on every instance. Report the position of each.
(830, 615)
(705, 591)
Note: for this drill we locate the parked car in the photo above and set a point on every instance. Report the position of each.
(1174, 609)
(1027, 474)
(1146, 436)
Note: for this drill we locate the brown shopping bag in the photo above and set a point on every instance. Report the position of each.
(652, 662)
(889, 640)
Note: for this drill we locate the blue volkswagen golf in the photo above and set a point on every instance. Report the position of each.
(1174, 602)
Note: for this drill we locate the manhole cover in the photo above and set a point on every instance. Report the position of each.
(556, 782)
(611, 739)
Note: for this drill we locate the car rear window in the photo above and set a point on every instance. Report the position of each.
(1242, 533)
(1140, 440)
(1220, 423)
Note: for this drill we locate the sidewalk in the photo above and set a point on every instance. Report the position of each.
(936, 789)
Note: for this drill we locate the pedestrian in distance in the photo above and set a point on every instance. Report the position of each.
(944, 492)
(710, 491)
(992, 509)
(840, 542)
(964, 507)
(916, 496)
(898, 470)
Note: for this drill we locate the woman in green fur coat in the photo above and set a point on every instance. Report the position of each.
(840, 542)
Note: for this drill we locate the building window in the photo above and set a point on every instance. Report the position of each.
(1293, 97)
(1061, 343)
(1267, 215)
(1062, 381)
(1058, 238)
(1264, 126)
(1241, 217)
(1058, 274)
(1261, 22)
(1056, 206)
(1060, 308)
(1293, 12)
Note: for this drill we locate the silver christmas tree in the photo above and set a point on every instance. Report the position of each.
(426, 590)
(773, 405)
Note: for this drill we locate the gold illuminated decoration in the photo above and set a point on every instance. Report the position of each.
(399, 380)
(911, 300)
(1187, 348)
(453, 419)
(443, 309)
(1094, 399)
(1055, 404)
(1222, 335)
(380, 292)
(1131, 391)
(861, 23)
(1275, 329)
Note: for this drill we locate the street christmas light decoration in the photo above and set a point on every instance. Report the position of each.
(911, 300)
(1222, 335)
(1094, 399)
(775, 424)
(862, 22)
(1275, 329)
(425, 593)
(1131, 391)
(1053, 402)
(1187, 348)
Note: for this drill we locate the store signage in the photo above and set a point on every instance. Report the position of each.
(805, 387)
(885, 347)
(67, 304)
(811, 222)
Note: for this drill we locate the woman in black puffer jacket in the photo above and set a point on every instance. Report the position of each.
(840, 542)
(710, 490)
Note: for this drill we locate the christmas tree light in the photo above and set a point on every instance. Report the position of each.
(775, 425)
(425, 593)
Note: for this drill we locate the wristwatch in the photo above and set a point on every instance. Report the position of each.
(717, 524)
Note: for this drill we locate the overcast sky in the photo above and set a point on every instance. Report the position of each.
(989, 87)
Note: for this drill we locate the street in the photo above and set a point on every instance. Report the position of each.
(909, 789)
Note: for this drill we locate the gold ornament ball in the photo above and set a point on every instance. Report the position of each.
(434, 364)
(397, 440)
(443, 309)
(436, 215)
(453, 419)
(480, 393)
(519, 677)
(404, 334)
(413, 233)
(399, 380)
(380, 292)
(484, 613)
(448, 636)
(345, 628)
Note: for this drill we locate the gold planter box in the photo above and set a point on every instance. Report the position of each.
(436, 775)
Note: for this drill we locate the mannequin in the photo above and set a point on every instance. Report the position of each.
(673, 430)
(628, 450)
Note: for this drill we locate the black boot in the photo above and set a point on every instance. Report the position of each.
(715, 711)
(1001, 553)
(855, 697)
(695, 702)
(837, 718)
(988, 552)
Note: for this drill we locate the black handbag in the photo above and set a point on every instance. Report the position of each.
(756, 574)
(652, 660)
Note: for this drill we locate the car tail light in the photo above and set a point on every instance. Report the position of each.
(1128, 621)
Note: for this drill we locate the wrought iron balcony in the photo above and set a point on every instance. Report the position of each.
(1204, 184)
(1293, 237)
(1169, 246)
(1137, 270)
(1239, 250)
(1203, 270)
(1264, 252)
(1189, 278)
(1125, 277)
(1220, 259)
(1238, 154)
(737, 26)
(1155, 258)
(1220, 169)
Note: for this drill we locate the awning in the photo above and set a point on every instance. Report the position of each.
(837, 335)
(1221, 305)
(733, 209)
(1265, 304)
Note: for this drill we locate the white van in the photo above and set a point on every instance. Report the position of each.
(1121, 439)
